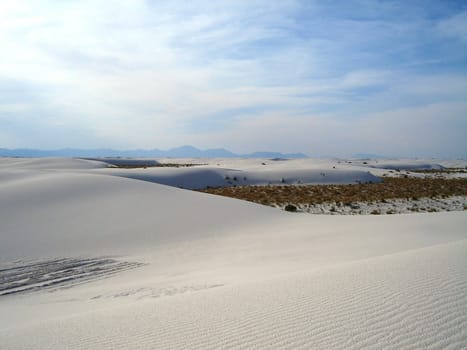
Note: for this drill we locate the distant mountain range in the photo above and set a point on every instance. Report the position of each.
(179, 152)
(370, 156)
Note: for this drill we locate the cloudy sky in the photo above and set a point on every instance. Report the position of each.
(321, 77)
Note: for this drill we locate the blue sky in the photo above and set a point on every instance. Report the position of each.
(320, 77)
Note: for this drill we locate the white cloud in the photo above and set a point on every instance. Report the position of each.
(434, 130)
(455, 26)
(365, 78)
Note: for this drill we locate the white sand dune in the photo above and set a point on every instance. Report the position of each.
(57, 212)
(414, 299)
(205, 272)
(51, 163)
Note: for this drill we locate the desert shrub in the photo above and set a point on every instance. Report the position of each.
(290, 207)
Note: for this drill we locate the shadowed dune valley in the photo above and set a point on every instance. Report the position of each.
(99, 255)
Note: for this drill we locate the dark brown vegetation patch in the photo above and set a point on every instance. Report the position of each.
(389, 188)
(441, 171)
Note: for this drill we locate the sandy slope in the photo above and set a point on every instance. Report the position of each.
(221, 273)
(49, 214)
(413, 299)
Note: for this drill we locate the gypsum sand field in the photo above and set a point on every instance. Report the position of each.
(211, 272)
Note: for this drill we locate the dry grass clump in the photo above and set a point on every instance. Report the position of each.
(441, 171)
(390, 188)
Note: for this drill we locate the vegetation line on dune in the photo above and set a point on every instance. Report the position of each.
(389, 188)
